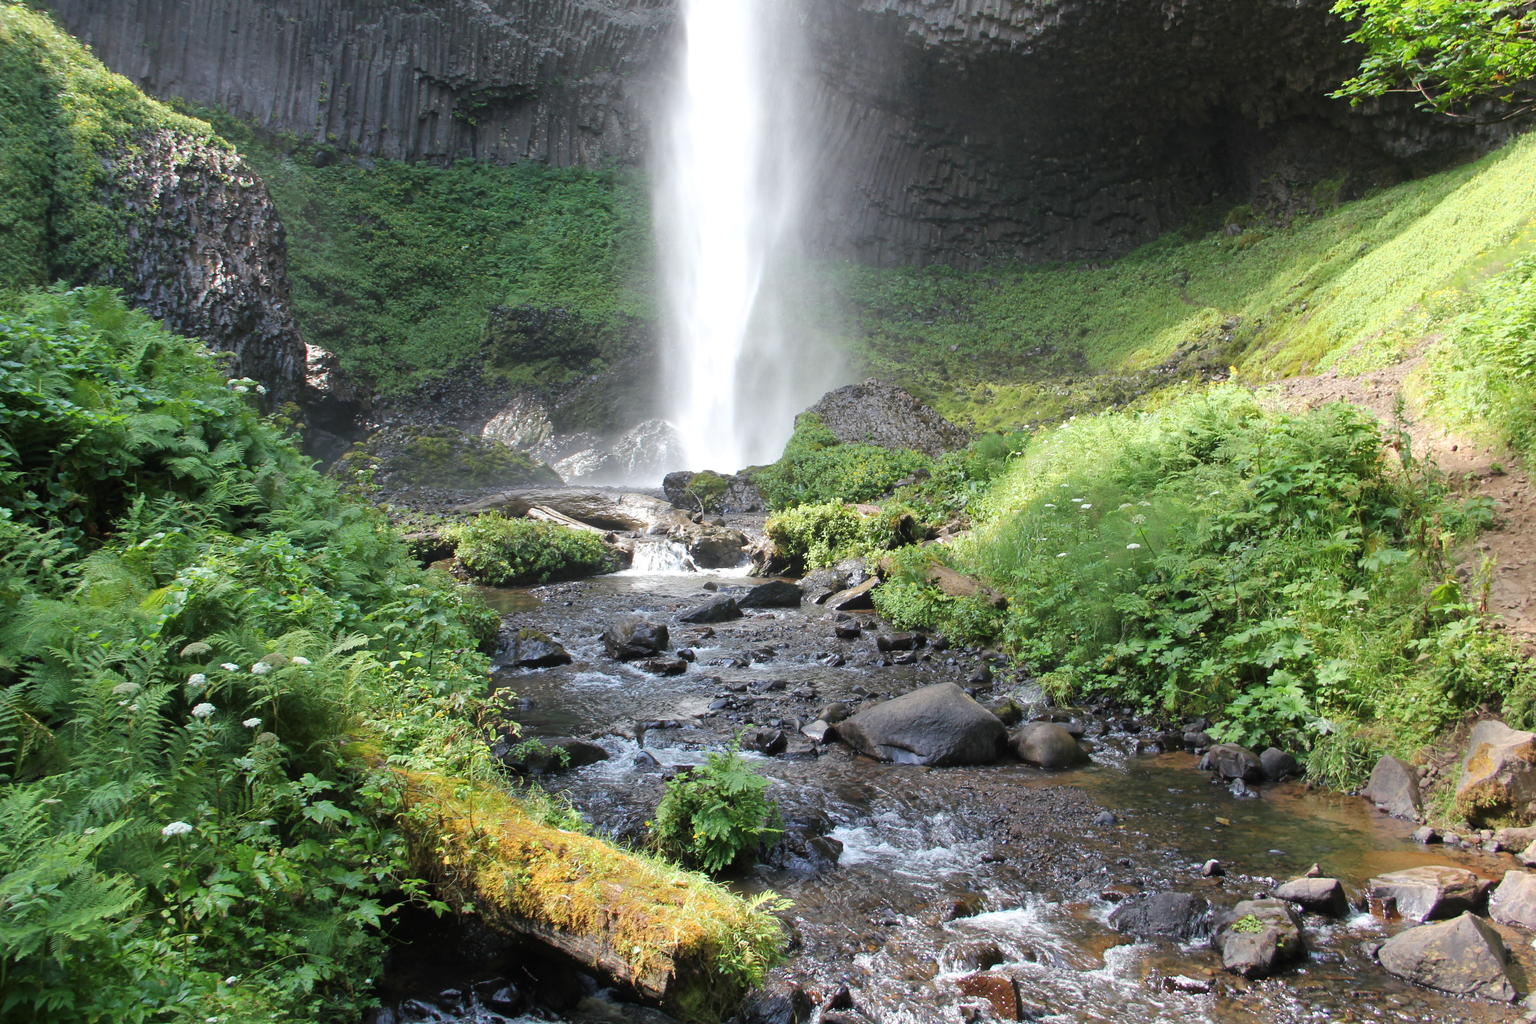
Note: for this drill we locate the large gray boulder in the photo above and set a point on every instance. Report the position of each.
(1180, 916)
(1047, 745)
(1428, 893)
(936, 725)
(632, 638)
(1394, 787)
(880, 414)
(1316, 895)
(1465, 957)
(530, 648)
(1498, 775)
(1260, 936)
(1231, 761)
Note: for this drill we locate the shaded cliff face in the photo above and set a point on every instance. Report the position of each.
(959, 131)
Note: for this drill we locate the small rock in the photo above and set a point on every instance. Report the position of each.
(1212, 869)
(1278, 765)
(1197, 739)
(530, 648)
(1424, 835)
(1184, 983)
(1394, 787)
(1104, 819)
(1514, 901)
(974, 955)
(768, 742)
(632, 638)
(1428, 893)
(1464, 956)
(898, 642)
(1316, 895)
(1241, 790)
(855, 599)
(1231, 761)
(847, 630)
(1047, 745)
(1260, 936)
(718, 609)
(664, 666)
(777, 1002)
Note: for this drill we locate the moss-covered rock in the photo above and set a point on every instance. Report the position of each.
(440, 464)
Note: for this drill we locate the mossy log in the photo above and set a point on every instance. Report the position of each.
(673, 936)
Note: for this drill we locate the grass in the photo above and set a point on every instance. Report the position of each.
(1352, 287)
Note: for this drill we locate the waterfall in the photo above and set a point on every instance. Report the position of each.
(727, 201)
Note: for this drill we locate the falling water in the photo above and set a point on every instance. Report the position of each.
(726, 208)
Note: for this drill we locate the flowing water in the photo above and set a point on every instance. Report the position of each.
(877, 858)
(727, 208)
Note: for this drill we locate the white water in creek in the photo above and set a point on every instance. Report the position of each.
(727, 206)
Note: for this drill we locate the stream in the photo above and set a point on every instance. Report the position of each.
(903, 879)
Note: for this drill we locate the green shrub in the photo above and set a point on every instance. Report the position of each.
(714, 815)
(502, 552)
(814, 536)
(815, 468)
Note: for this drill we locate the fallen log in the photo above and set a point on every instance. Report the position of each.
(673, 936)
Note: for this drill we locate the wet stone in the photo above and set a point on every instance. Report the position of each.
(719, 609)
(1427, 893)
(1514, 901)
(999, 990)
(1316, 895)
(1464, 956)
(1394, 788)
(1231, 761)
(664, 666)
(1259, 937)
(1047, 745)
(777, 594)
(899, 642)
(847, 630)
(1180, 916)
(1278, 765)
(632, 638)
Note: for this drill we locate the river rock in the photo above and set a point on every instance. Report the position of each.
(999, 990)
(1047, 745)
(817, 586)
(1316, 895)
(888, 642)
(1278, 765)
(523, 423)
(710, 546)
(543, 756)
(607, 510)
(957, 584)
(970, 956)
(776, 594)
(1428, 893)
(1180, 916)
(718, 609)
(879, 414)
(855, 599)
(715, 492)
(530, 648)
(1464, 956)
(1231, 761)
(776, 1002)
(632, 638)
(1498, 775)
(1394, 787)
(936, 725)
(1514, 901)
(1259, 937)
(768, 742)
(664, 666)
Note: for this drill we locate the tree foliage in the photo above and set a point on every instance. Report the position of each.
(1451, 53)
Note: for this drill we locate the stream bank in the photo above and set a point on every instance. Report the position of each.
(906, 881)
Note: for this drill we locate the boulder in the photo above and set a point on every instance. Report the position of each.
(958, 584)
(1260, 936)
(632, 637)
(1498, 775)
(642, 453)
(523, 423)
(712, 492)
(710, 546)
(776, 594)
(716, 609)
(1514, 901)
(1428, 893)
(664, 666)
(1464, 956)
(1316, 895)
(1180, 916)
(1047, 745)
(817, 586)
(855, 599)
(936, 725)
(530, 648)
(1394, 787)
(887, 642)
(879, 414)
(608, 510)
(768, 742)
(1278, 765)
(776, 1002)
(542, 756)
(999, 990)
(1231, 761)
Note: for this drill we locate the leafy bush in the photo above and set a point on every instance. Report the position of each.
(815, 468)
(1278, 572)
(502, 552)
(713, 815)
(814, 536)
(193, 625)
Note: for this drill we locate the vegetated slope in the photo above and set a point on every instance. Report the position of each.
(100, 184)
(225, 688)
(1352, 286)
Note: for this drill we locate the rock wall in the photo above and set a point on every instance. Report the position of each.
(207, 254)
(944, 130)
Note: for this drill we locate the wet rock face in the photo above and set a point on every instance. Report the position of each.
(1259, 937)
(884, 415)
(937, 725)
(1464, 957)
(1180, 916)
(1428, 893)
(1498, 775)
(944, 131)
(1394, 787)
(208, 255)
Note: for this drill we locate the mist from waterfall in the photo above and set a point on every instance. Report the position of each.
(728, 202)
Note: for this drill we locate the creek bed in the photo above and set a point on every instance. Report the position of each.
(1025, 852)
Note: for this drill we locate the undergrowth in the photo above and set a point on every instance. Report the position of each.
(502, 552)
(816, 467)
(716, 814)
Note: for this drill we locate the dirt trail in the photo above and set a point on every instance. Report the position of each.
(1479, 469)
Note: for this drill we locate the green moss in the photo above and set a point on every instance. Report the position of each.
(63, 118)
(505, 552)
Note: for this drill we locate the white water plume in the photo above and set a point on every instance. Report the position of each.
(727, 209)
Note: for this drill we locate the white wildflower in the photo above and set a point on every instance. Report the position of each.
(241, 389)
(125, 689)
(203, 710)
(1133, 547)
(1084, 507)
(176, 828)
(252, 723)
(1062, 554)
(1125, 506)
(1144, 504)
(299, 659)
(197, 680)
(230, 666)
(1050, 504)
(261, 668)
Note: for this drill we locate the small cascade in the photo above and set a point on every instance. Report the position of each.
(657, 556)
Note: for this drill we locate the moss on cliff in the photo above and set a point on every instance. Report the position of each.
(63, 119)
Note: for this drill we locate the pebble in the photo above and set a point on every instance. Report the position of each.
(1212, 869)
